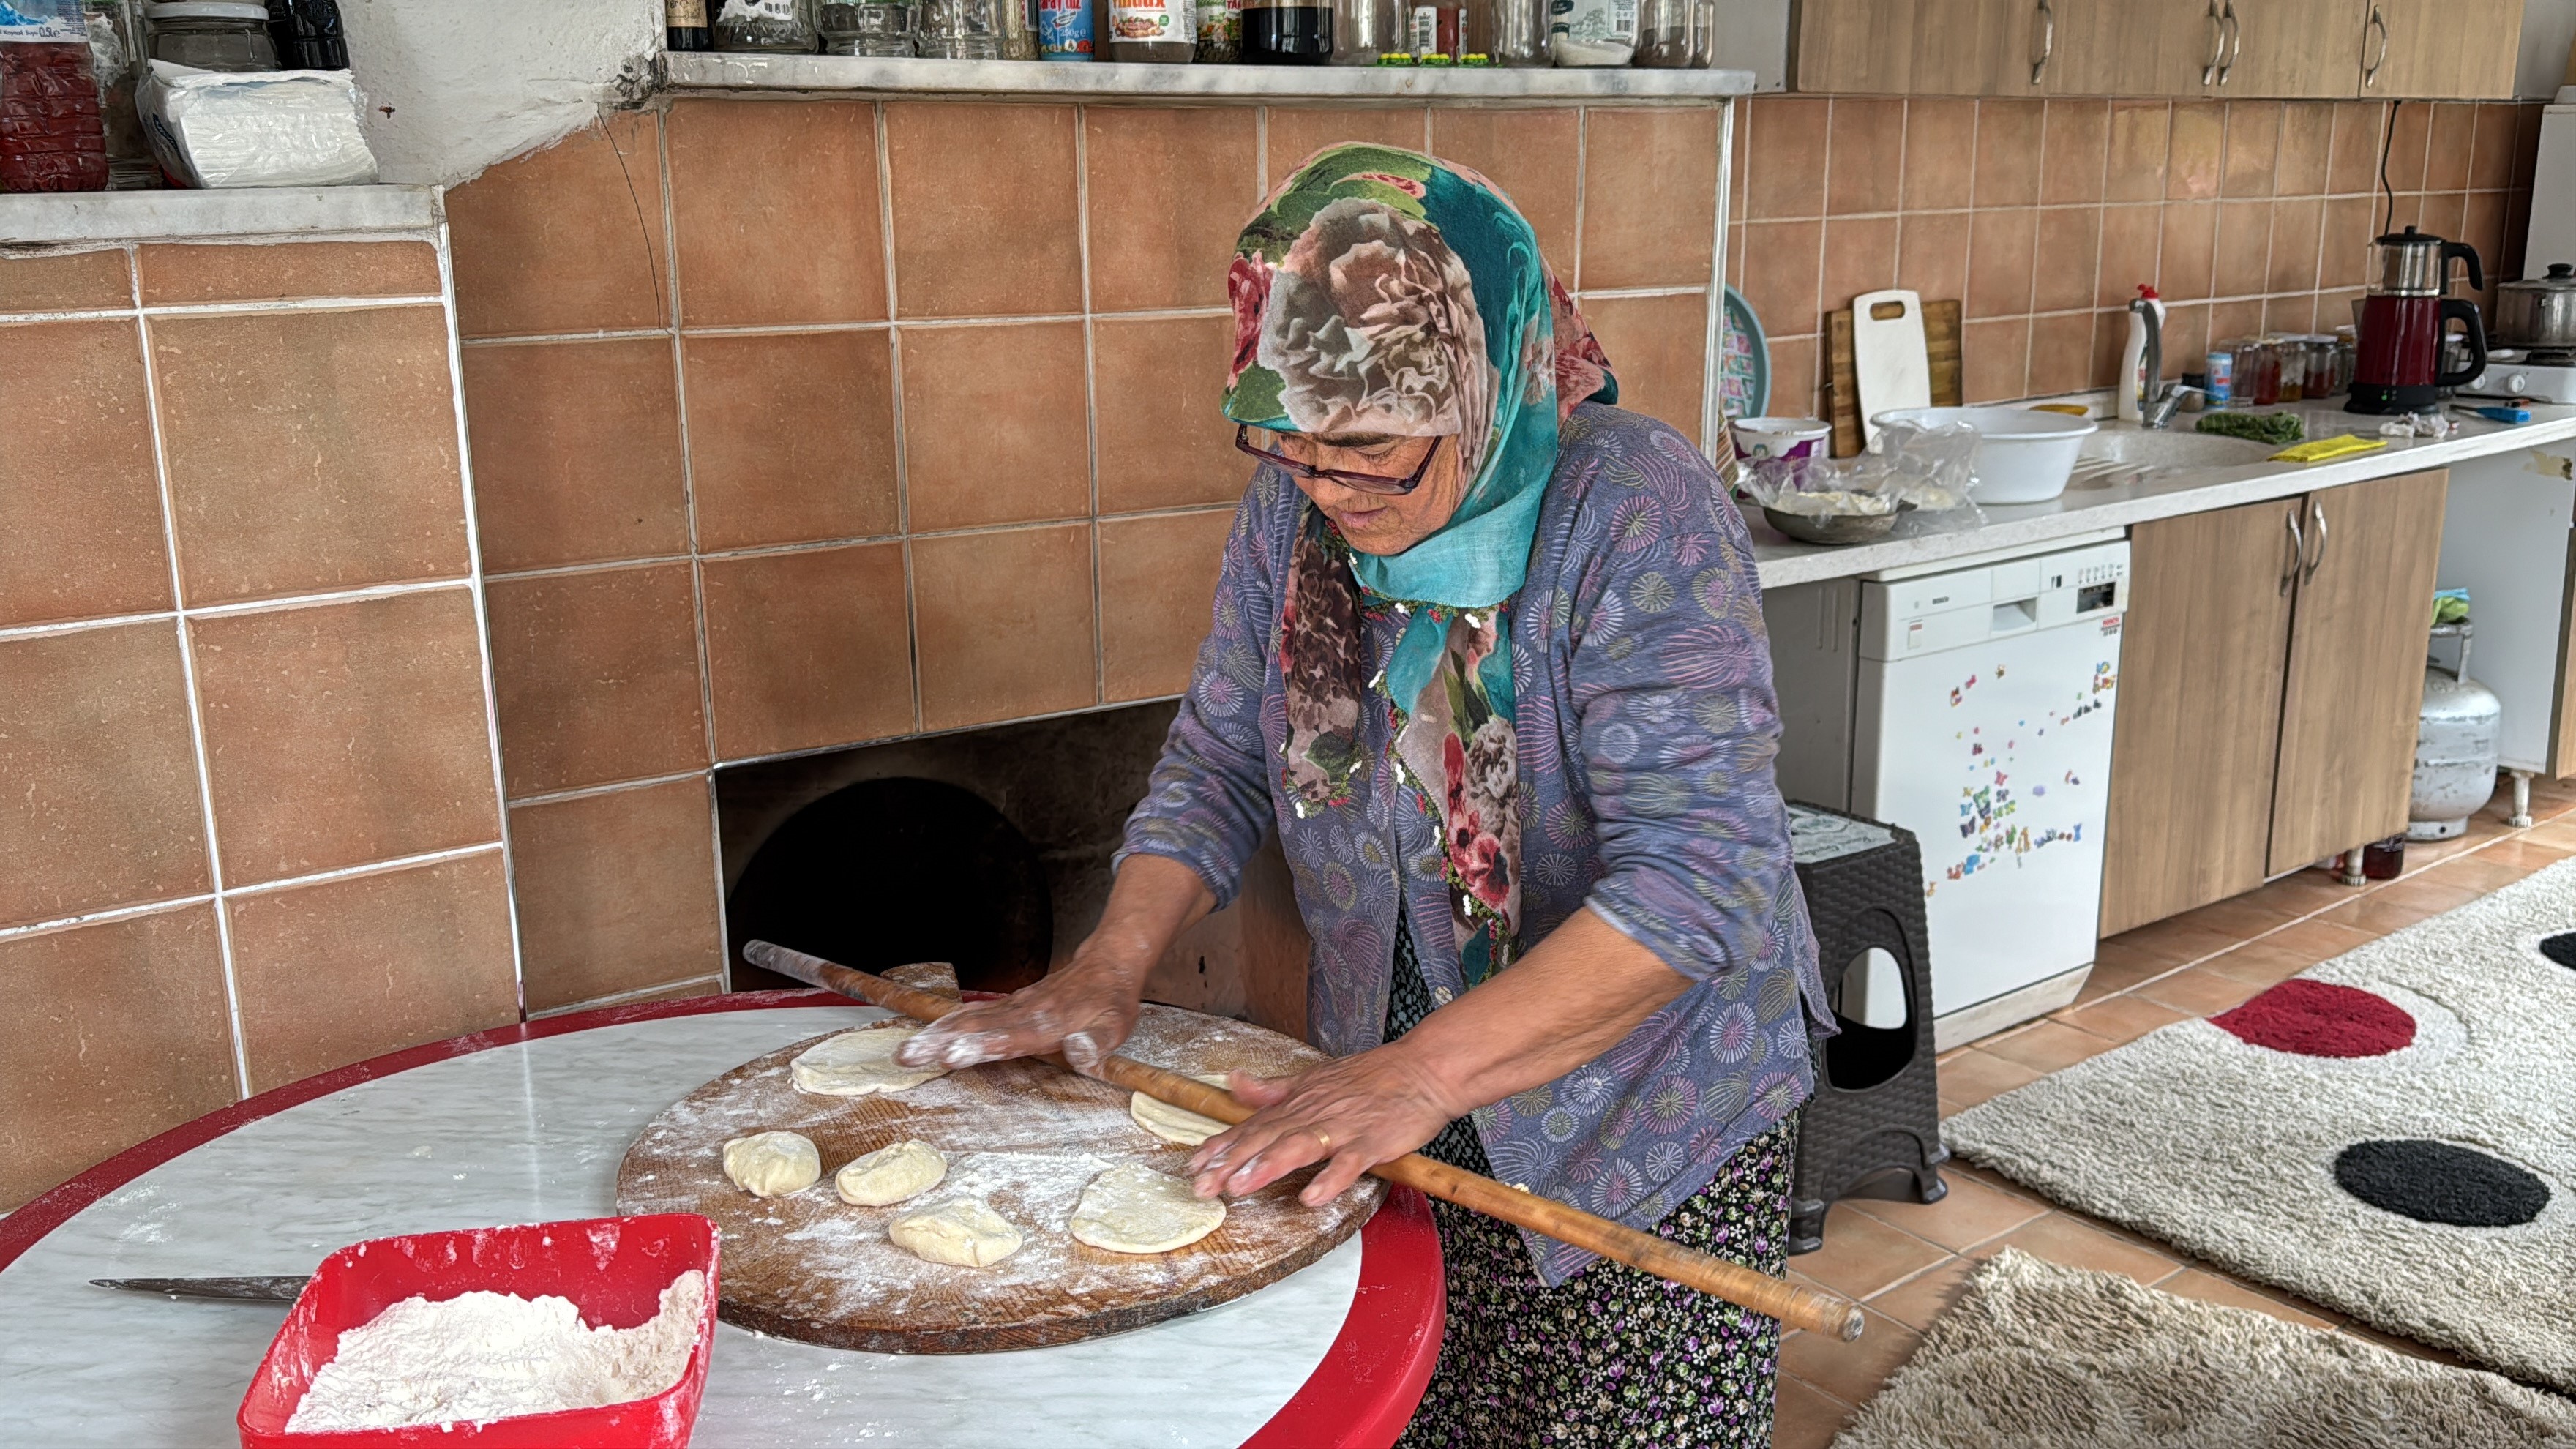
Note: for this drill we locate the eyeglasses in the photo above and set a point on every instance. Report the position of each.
(1364, 482)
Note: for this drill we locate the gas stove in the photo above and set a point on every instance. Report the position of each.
(2541, 376)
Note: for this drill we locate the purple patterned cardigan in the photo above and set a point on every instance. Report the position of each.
(1646, 726)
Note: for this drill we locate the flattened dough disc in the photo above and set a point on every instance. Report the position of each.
(1175, 1124)
(859, 1063)
(1132, 1209)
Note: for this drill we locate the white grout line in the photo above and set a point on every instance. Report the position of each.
(112, 914)
(188, 683)
(248, 606)
(672, 314)
(482, 618)
(354, 872)
(259, 888)
(902, 468)
(612, 787)
(1091, 387)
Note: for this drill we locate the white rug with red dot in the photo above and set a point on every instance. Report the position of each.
(2391, 1133)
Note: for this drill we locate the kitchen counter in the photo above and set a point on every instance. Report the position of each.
(2164, 492)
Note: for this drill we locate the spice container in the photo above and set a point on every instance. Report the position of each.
(866, 29)
(1674, 33)
(1518, 32)
(1152, 32)
(958, 29)
(212, 35)
(1220, 32)
(2294, 368)
(2256, 370)
(776, 27)
(1431, 27)
(1365, 31)
(51, 134)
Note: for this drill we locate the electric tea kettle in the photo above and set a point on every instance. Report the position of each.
(2402, 321)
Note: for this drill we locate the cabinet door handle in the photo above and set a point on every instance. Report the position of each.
(2217, 45)
(2235, 42)
(2298, 550)
(2316, 515)
(2379, 23)
(2047, 40)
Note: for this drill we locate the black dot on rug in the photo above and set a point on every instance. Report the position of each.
(2561, 948)
(2435, 1182)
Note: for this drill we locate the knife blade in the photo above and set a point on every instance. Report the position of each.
(281, 1288)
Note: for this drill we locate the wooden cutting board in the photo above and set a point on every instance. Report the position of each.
(1842, 382)
(1024, 1135)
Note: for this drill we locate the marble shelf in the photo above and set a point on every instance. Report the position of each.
(121, 216)
(1241, 84)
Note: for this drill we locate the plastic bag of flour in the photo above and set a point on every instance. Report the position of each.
(255, 128)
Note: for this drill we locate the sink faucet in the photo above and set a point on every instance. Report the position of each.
(2157, 401)
(2158, 410)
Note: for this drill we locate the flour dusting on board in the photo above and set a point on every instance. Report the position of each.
(1024, 1136)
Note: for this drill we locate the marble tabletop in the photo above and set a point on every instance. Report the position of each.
(531, 1131)
(915, 75)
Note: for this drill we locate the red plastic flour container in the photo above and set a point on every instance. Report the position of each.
(613, 1270)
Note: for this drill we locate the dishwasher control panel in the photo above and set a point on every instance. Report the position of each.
(1908, 617)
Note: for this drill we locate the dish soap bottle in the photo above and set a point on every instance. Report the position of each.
(2143, 357)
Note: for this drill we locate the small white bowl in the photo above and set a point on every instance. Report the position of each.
(2022, 456)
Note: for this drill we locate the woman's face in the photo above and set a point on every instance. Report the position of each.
(1376, 523)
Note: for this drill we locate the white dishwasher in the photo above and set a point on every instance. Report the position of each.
(1972, 705)
(1983, 724)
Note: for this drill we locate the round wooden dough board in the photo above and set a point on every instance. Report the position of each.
(1027, 1137)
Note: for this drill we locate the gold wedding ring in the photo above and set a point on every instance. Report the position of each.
(1325, 1139)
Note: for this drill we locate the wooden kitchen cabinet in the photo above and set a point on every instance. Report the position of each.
(2452, 49)
(2355, 684)
(2146, 48)
(1926, 47)
(2202, 654)
(2293, 49)
(2271, 670)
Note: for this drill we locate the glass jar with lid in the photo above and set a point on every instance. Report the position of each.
(866, 27)
(225, 35)
(776, 27)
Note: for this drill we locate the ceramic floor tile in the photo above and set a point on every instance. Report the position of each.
(2068, 1243)
(2124, 1018)
(1970, 1213)
(1862, 1255)
(2258, 964)
(2482, 871)
(2318, 940)
(2047, 1046)
(2400, 906)
(2174, 942)
(2556, 831)
(2303, 892)
(1805, 1418)
(2214, 1288)
(2199, 991)
(1851, 1372)
(2242, 917)
(2525, 851)
(2116, 971)
(1927, 1295)
(2407, 1346)
(1975, 1077)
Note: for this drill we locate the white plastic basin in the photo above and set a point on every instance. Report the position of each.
(2022, 456)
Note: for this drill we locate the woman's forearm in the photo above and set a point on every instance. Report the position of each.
(1152, 901)
(1579, 993)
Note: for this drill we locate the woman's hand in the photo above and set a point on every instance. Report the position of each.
(1351, 1114)
(1084, 1014)
(1086, 1008)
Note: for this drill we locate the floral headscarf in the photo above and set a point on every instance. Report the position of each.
(1383, 291)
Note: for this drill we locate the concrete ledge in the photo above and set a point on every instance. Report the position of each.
(1255, 84)
(120, 216)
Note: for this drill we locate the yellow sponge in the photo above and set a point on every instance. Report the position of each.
(2320, 450)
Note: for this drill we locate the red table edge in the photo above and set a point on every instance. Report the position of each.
(1385, 1350)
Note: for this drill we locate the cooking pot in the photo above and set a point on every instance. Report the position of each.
(2539, 313)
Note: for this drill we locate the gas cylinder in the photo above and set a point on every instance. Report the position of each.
(2455, 751)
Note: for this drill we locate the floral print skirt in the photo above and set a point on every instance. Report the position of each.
(1615, 1356)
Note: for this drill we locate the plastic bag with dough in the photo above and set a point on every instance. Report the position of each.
(963, 1230)
(857, 1063)
(1132, 1209)
(1176, 1124)
(772, 1164)
(890, 1174)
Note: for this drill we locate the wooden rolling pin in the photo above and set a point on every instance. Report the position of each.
(1794, 1306)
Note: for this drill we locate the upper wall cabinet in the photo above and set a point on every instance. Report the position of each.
(2220, 49)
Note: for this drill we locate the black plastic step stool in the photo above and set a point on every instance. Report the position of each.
(1877, 1110)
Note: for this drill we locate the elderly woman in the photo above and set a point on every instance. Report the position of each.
(1488, 652)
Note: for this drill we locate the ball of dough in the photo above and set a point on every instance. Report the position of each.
(891, 1174)
(772, 1164)
(963, 1230)
(857, 1063)
(1132, 1209)
(1175, 1124)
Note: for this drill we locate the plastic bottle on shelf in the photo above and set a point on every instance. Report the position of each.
(1591, 33)
(1276, 33)
(1064, 30)
(2135, 385)
(52, 136)
(1220, 32)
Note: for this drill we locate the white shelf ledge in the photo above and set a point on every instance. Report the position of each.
(1256, 84)
(118, 216)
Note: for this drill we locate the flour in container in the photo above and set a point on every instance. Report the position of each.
(482, 1356)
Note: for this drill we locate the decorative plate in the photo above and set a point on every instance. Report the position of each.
(1743, 362)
